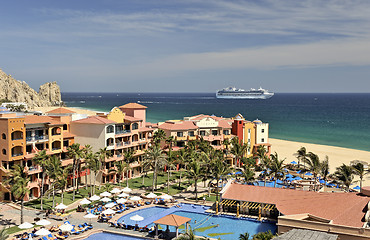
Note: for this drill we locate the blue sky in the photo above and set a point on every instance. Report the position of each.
(188, 46)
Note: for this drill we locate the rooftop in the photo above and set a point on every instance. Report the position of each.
(173, 220)
(34, 119)
(95, 120)
(181, 125)
(303, 234)
(133, 106)
(342, 208)
(61, 110)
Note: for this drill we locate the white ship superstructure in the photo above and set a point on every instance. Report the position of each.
(237, 93)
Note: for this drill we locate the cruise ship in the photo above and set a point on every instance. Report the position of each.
(237, 93)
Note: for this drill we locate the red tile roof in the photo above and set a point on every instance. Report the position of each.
(201, 116)
(343, 208)
(173, 220)
(133, 106)
(181, 125)
(34, 119)
(132, 119)
(95, 120)
(68, 135)
(61, 111)
(224, 124)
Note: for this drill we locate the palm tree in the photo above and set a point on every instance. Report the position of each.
(324, 168)
(189, 235)
(244, 236)
(344, 174)
(313, 163)
(129, 157)
(42, 159)
(158, 136)
(261, 153)
(248, 174)
(53, 169)
(102, 155)
(62, 180)
(181, 159)
(120, 169)
(90, 163)
(218, 169)
(238, 150)
(75, 152)
(277, 167)
(4, 234)
(156, 157)
(195, 172)
(301, 155)
(87, 151)
(18, 181)
(359, 170)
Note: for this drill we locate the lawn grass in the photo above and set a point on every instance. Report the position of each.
(16, 229)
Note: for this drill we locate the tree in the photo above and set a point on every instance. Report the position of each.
(244, 236)
(90, 163)
(277, 167)
(18, 181)
(53, 169)
(42, 159)
(102, 155)
(4, 234)
(87, 151)
(313, 163)
(301, 155)
(248, 174)
(62, 180)
(344, 174)
(195, 172)
(75, 152)
(219, 170)
(238, 150)
(156, 157)
(263, 235)
(158, 136)
(129, 157)
(189, 235)
(121, 166)
(324, 168)
(359, 170)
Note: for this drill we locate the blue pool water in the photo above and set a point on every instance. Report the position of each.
(204, 224)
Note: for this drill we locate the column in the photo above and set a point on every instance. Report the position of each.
(177, 231)
(156, 230)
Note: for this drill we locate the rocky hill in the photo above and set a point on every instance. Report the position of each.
(19, 91)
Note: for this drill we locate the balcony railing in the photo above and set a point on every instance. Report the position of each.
(17, 154)
(127, 143)
(119, 131)
(28, 139)
(55, 149)
(119, 144)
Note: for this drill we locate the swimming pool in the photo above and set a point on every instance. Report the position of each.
(204, 224)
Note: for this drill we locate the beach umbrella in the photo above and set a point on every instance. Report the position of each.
(90, 216)
(42, 232)
(127, 190)
(25, 225)
(357, 188)
(299, 171)
(85, 201)
(66, 227)
(121, 200)
(61, 206)
(135, 198)
(110, 205)
(289, 175)
(115, 190)
(297, 178)
(308, 174)
(94, 198)
(105, 194)
(239, 173)
(166, 197)
(279, 181)
(43, 222)
(294, 162)
(105, 199)
(123, 195)
(322, 181)
(151, 195)
(109, 211)
(137, 218)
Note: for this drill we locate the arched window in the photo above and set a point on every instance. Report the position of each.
(135, 126)
(4, 151)
(3, 136)
(110, 129)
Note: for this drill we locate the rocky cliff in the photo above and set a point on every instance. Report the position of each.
(19, 91)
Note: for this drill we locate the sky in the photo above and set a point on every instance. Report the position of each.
(188, 45)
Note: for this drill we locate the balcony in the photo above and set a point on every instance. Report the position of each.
(120, 131)
(17, 154)
(119, 144)
(127, 143)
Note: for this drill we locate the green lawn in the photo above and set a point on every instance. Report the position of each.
(15, 229)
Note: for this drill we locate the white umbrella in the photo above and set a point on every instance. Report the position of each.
(127, 190)
(42, 232)
(121, 200)
(123, 195)
(110, 205)
(109, 211)
(94, 198)
(85, 201)
(151, 195)
(105, 194)
(66, 227)
(115, 190)
(43, 222)
(90, 215)
(137, 218)
(166, 197)
(105, 199)
(25, 225)
(61, 206)
(135, 198)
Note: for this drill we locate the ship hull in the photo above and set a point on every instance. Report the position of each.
(245, 96)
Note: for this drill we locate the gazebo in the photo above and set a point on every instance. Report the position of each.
(172, 220)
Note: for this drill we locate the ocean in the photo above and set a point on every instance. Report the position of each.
(341, 120)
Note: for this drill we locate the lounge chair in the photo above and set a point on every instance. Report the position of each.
(88, 226)
(122, 225)
(73, 231)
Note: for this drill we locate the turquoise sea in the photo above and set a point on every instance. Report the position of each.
(332, 119)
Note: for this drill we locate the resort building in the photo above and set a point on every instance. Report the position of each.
(255, 134)
(343, 214)
(22, 137)
(210, 128)
(119, 131)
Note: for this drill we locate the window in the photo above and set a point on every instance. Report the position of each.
(249, 130)
(65, 127)
(135, 126)
(202, 133)
(262, 130)
(226, 132)
(180, 134)
(110, 129)
(214, 132)
(4, 151)
(262, 140)
(3, 136)
(191, 133)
